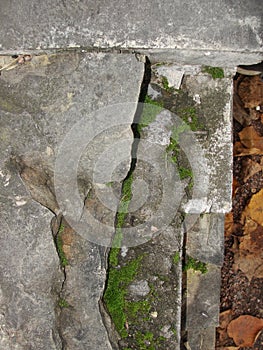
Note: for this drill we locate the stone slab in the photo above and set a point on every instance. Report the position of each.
(203, 298)
(205, 240)
(223, 27)
(40, 103)
(203, 340)
(206, 104)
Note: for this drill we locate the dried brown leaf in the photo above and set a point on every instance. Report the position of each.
(244, 329)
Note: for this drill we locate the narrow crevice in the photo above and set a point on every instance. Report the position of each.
(143, 92)
(184, 288)
(108, 322)
(56, 225)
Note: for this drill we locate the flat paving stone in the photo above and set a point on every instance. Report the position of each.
(41, 103)
(224, 34)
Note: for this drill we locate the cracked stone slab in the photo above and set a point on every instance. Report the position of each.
(208, 148)
(156, 228)
(225, 28)
(40, 102)
(207, 151)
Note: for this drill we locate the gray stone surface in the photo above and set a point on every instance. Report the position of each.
(200, 26)
(154, 221)
(40, 102)
(30, 275)
(208, 148)
(203, 293)
(202, 340)
(205, 240)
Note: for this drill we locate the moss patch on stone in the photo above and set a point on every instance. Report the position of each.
(195, 265)
(114, 297)
(120, 220)
(215, 72)
(176, 258)
(150, 110)
(63, 303)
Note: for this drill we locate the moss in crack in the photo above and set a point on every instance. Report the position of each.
(59, 244)
(116, 290)
(195, 265)
(166, 86)
(120, 220)
(189, 123)
(215, 72)
(185, 172)
(173, 149)
(150, 110)
(176, 258)
(63, 303)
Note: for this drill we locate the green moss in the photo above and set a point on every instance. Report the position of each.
(189, 116)
(125, 201)
(63, 303)
(151, 109)
(185, 172)
(59, 245)
(215, 72)
(176, 258)
(195, 265)
(120, 220)
(134, 308)
(173, 150)
(161, 339)
(114, 297)
(114, 252)
(174, 147)
(109, 184)
(174, 331)
(190, 122)
(166, 86)
(145, 341)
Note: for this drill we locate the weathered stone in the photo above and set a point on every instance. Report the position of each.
(30, 275)
(205, 240)
(139, 288)
(219, 34)
(204, 103)
(203, 292)
(202, 339)
(41, 102)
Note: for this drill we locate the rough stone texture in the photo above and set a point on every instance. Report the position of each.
(153, 221)
(207, 151)
(203, 301)
(30, 275)
(203, 291)
(209, 147)
(40, 102)
(205, 240)
(203, 340)
(222, 27)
